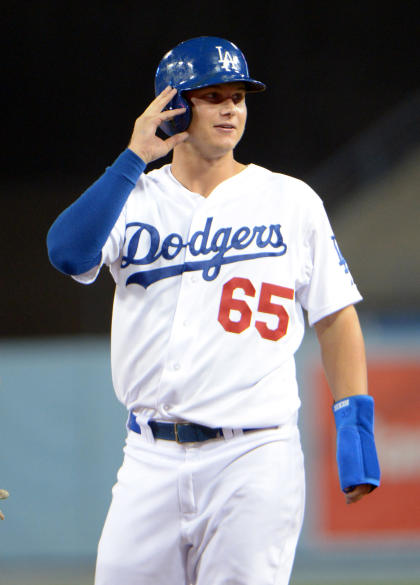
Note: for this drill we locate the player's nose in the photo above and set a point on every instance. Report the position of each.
(228, 106)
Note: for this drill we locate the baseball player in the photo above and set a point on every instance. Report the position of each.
(214, 262)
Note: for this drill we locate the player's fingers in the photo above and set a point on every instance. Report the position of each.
(168, 114)
(152, 119)
(165, 92)
(159, 103)
(164, 95)
(176, 139)
(163, 99)
(358, 493)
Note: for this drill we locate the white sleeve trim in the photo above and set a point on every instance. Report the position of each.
(330, 309)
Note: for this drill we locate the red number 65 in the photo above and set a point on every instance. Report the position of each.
(228, 304)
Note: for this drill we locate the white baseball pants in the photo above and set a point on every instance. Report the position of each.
(222, 512)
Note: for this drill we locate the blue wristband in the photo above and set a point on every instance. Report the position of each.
(357, 459)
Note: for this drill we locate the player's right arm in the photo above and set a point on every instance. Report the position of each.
(76, 238)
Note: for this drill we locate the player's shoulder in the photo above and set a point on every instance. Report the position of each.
(285, 185)
(156, 176)
(155, 183)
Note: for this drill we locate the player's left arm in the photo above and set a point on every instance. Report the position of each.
(344, 360)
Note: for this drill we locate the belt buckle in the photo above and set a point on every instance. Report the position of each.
(176, 425)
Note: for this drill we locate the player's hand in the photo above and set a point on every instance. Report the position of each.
(358, 493)
(144, 141)
(3, 495)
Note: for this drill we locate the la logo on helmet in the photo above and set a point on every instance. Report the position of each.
(228, 62)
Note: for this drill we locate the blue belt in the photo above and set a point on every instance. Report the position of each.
(179, 432)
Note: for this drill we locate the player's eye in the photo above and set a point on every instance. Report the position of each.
(216, 97)
(238, 97)
(211, 97)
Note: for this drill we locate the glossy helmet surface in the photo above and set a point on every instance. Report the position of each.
(196, 63)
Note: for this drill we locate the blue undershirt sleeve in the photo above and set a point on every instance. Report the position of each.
(76, 238)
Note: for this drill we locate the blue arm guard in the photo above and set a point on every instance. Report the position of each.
(356, 452)
(76, 238)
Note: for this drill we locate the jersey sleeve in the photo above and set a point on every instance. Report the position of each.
(328, 285)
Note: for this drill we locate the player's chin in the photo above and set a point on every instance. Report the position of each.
(226, 140)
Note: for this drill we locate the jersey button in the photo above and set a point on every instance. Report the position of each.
(177, 366)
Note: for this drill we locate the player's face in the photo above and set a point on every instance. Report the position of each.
(218, 117)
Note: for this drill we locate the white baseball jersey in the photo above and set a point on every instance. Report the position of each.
(209, 294)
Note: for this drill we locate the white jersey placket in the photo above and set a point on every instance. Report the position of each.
(178, 358)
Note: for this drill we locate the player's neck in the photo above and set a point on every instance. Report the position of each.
(202, 175)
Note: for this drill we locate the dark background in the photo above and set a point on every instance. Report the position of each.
(78, 74)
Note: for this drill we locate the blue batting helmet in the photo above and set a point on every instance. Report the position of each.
(197, 63)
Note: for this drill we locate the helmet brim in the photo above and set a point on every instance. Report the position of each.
(251, 85)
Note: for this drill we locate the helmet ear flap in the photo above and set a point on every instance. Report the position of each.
(177, 123)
